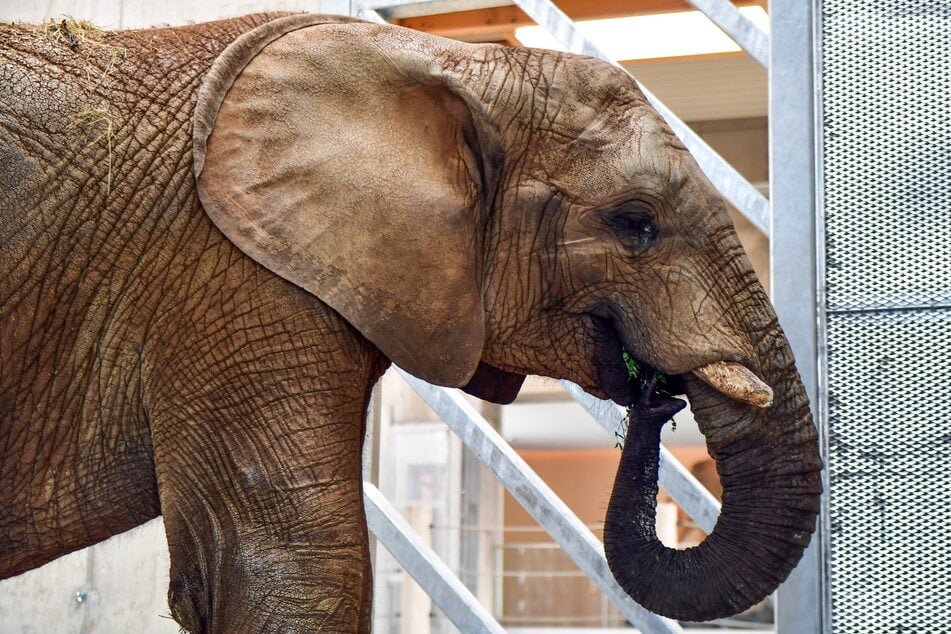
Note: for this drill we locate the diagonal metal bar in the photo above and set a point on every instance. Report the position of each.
(744, 196)
(536, 497)
(396, 9)
(727, 16)
(686, 490)
(371, 15)
(429, 571)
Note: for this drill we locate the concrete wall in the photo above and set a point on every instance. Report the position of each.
(119, 585)
(124, 14)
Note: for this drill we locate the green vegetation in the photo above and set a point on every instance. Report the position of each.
(633, 368)
(649, 378)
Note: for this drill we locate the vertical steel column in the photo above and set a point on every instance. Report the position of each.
(793, 193)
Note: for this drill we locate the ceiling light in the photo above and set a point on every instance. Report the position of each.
(650, 36)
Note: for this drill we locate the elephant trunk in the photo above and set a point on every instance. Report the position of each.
(769, 466)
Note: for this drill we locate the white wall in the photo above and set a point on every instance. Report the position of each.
(116, 14)
(117, 586)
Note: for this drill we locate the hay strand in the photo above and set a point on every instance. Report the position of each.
(70, 30)
(97, 121)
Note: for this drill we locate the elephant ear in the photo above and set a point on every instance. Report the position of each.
(340, 158)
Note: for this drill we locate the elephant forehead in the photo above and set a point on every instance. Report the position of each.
(619, 164)
(602, 147)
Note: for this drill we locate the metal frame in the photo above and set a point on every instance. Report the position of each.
(793, 182)
(792, 165)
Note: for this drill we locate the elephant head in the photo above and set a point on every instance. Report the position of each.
(480, 213)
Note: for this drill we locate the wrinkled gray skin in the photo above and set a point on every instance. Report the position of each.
(148, 365)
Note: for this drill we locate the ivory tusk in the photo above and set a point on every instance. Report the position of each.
(736, 381)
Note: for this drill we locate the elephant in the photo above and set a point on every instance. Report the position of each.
(215, 238)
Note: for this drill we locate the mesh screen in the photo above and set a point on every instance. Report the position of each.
(889, 431)
(886, 139)
(886, 161)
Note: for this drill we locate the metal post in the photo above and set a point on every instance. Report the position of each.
(432, 575)
(792, 126)
(536, 497)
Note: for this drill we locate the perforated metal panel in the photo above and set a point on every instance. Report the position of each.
(886, 141)
(885, 108)
(890, 471)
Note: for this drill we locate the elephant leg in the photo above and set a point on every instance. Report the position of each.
(257, 438)
(265, 525)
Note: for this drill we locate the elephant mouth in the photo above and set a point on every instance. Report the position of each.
(616, 379)
(626, 387)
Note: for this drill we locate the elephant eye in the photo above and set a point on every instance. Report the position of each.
(634, 227)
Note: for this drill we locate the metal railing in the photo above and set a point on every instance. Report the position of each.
(576, 539)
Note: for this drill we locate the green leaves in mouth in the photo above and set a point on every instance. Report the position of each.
(649, 378)
(635, 372)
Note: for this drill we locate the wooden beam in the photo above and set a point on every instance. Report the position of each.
(500, 22)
